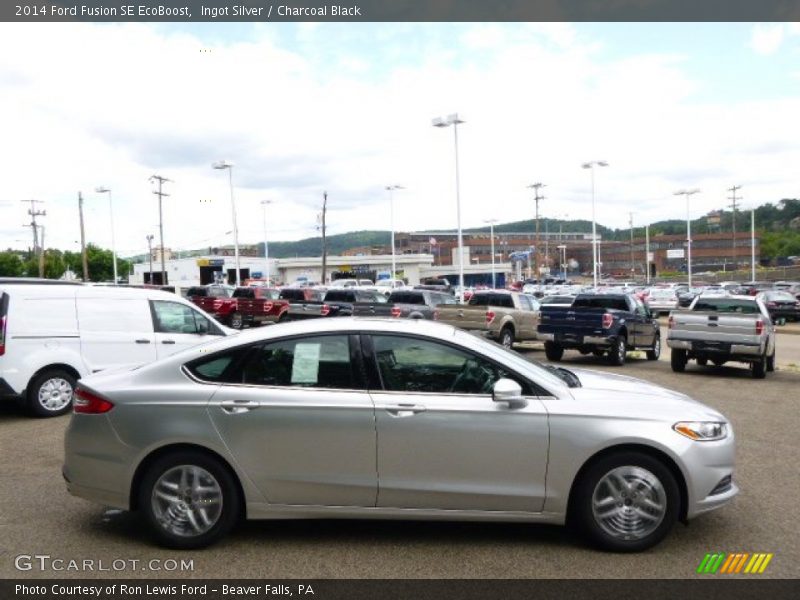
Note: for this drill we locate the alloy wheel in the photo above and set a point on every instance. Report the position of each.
(186, 501)
(629, 503)
(55, 394)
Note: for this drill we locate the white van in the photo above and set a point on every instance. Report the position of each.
(54, 333)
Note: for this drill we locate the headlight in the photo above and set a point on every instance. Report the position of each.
(702, 431)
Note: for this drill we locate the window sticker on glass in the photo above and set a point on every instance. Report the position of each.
(305, 367)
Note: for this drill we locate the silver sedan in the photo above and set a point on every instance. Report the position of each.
(391, 420)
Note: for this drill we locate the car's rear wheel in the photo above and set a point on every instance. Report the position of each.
(50, 393)
(655, 351)
(616, 356)
(771, 362)
(553, 351)
(237, 321)
(507, 337)
(677, 359)
(759, 368)
(189, 499)
(626, 502)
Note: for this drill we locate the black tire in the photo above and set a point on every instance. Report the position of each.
(553, 351)
(581, 501)
(237, 320)
(61, 383)
(284, 317)
(678, 360)
(655, 351)
(759, 368)
(231, 500)
(702, 362)
(771, 362)
(617, 353)
(598, 352)
(507, 337)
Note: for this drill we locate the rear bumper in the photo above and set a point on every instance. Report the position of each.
(567, 342)
(703, 347)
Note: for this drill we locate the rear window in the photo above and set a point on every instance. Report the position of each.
(340, 296)
(368, 296)
(727, 305)
(288, 294)
(501, 300)
(217, 292)
(407, 298)
(197, 291)
(244, 293)
(780, 297)
(607, 302)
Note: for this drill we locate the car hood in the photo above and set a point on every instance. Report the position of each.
(599, 386)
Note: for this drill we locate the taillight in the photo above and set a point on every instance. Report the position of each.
(671, 322)
(325, 310)
(3, 321)
(759, 327)
(396, 311)
(88, 403)
(268, 306)
(608, 320)
(489, 317)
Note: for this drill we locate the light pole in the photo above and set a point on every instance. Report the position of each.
(563, 249)
(536, 187)
(455, 122)
(161, 181)
(391, 189)
(220, 165)
(491, 223)
(753, 243)
(688, 193)
(264, 204)
(150, 254)
(591, 165)
(105, 190)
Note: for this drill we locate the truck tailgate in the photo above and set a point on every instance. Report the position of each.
(717, 327)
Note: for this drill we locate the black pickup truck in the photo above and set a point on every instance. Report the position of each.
(407, 304)
(341, 302)
(600, 324)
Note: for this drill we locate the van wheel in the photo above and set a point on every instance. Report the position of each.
(616, 355)
(626, 502)
(190, 500)
(553, 351)
(678, 360)
(50, 393)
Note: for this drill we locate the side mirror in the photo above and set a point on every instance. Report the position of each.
(508, 391)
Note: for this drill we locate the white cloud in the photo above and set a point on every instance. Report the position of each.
(766, 39)
(86, 105)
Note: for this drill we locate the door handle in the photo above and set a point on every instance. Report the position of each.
(142, 341)
(167, 341)
(404, 410)
(235, 407)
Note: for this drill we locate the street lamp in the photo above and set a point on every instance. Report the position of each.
(150, 254)
(591, 165)
(220, 165)
(563, 249)
(491, 223)
(391, 189)
(264, 204)
(688, 193)
(455, 122)
(105, 190)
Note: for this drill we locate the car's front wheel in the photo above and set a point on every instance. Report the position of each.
(626, 502)
(655, 351)
(190, 500)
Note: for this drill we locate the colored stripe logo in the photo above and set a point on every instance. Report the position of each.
(734, 563)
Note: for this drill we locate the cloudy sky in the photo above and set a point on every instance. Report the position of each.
(302, 108)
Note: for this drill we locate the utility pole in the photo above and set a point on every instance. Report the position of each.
(84, 259)
(647, 253)
(733, 200)
(150, 254)
(41, 255)
(161, 180)
(536, 187)
(630, 222)
(34, 212)
(324, 240)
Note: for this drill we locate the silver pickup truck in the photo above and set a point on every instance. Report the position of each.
(721, 329)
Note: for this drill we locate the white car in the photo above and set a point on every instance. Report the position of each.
(662, 300)
(54, 333)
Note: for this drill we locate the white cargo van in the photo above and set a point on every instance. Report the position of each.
(54, 333)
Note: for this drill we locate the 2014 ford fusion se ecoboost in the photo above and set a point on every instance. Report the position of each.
(373, 418)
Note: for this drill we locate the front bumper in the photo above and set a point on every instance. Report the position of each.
(709, 469)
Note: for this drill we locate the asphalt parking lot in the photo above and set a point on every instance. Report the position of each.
(38, 517)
